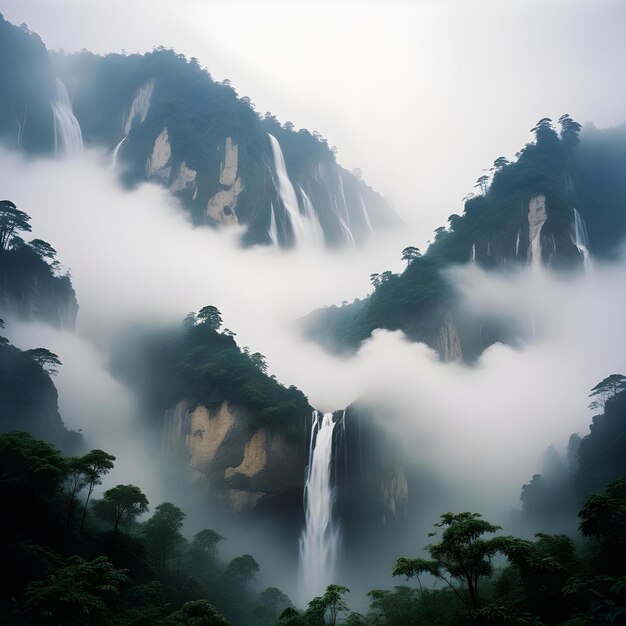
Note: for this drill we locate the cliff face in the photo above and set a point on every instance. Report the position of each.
(166, 120)
(243, 467)
(30, 291)
(28, 91)
(29, 401)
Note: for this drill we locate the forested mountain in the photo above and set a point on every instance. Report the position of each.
(165, 119)
(552, 498)
(223, 421)
(561, 201)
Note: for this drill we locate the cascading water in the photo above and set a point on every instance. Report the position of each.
(115, 155)
(68, 138)
(578, 233)
(366, 216)
(517, 244)
(320, 542)
(304, 230)
(273, 230)
(473, 253)
(310, 214)
(345, 219)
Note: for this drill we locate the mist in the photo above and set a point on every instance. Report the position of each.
(447, 83)
(135, 259)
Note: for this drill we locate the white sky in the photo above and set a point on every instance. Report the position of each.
(421, 95)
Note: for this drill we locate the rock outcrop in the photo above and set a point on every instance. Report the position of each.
(239, 465)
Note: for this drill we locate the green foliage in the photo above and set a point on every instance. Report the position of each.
(81, 592)
(603, 516)
(204, 366)
(196, 613)
(29, 284)
(210, 316)
(12, 222)
(462, 555)
(121, 505)
(162, 533)
(241, 570)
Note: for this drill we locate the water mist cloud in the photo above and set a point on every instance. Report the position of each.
(135, 259)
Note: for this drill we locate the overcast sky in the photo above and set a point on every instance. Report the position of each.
(420, 95)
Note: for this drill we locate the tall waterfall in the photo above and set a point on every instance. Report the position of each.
(320, 541)
(68, 138)
(578, 233)
(473, 253)
(305, 231)
(115, 154)
(517, 244)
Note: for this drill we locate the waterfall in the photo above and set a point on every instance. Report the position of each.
(578, 233)
(517, 244)
(320, 541)
(537, 217)
(473, 253)
(68, 138)
(305, 232)
(366, 216)
(116, 151)
(310, 214)
(345, 221)
(273, 230)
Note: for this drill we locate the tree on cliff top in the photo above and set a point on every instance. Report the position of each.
(48, 360)
(211, 316)
(606, 389)
(12, 221)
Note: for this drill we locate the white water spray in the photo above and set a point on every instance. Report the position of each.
(320, 542)
(68, 138)
(366, 216)
(311, 215)
(115, 154)
(578, 233)
(273, 231)
(304, 230)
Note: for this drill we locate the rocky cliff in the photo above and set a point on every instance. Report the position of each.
(537, 211)
(166, 120)
(243, 467)
(29, 400)
(30, 290)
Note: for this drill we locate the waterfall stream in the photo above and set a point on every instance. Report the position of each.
(320, 541)
(306, 232)
(68, 138)
(273, 230)
(578, 233)
(115, 154)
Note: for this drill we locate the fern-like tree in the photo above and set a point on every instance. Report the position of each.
(461, 558)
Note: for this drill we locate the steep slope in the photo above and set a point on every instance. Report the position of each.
(28, 91)
(165, 119)
(534, 211)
